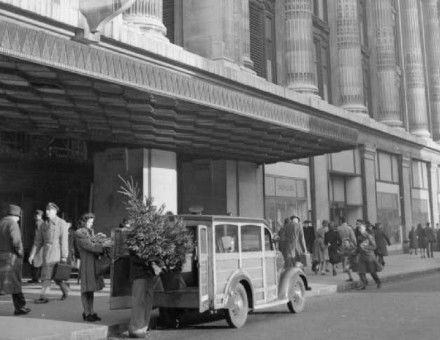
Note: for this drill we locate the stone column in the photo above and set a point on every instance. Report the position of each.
(389, 103)
(349, 57)
(319, 190)
(415, 79)
(301, 71)
(368, 154)
(147, 16)
(433, 52)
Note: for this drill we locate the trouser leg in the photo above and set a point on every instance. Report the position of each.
(142, 304)
(63, 287)
(91, 298)
(85, 303)
(45, 288)
(18, 301)
(363, 278)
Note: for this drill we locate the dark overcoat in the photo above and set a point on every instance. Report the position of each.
(89, 253)
(382, 241)
(366, 247)
(11, 257)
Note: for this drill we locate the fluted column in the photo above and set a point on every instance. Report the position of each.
(415, 79)
(147, 15)
(388, 92)
(433, 52)
(349, 57)
(299, 46)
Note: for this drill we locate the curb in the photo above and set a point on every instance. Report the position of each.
(346, 286)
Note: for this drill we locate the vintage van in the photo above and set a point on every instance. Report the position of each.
(235, 268)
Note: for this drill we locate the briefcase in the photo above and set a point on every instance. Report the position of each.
(62, 271)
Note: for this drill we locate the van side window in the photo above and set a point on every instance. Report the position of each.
(251, 238)
(226, 238)
(268, 245)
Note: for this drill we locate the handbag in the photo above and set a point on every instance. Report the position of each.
(61, 271)
(102, 264)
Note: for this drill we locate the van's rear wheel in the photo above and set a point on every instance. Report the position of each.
(296, 295)
(237, 312)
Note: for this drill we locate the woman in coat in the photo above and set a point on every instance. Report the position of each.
(367, 261)
(88, 252)
(382, 241)
(422, 239)
(413, 242)
(333, 241)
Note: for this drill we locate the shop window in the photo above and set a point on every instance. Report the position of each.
(419, 174)
(322, 60)
(420, 211)
(251, 238)
(388, 213)
(387, 167)
(226, 238)
(262, 38)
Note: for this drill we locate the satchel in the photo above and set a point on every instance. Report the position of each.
(61, 272)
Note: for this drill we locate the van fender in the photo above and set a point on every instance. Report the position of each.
(286, 278)
(235, 278)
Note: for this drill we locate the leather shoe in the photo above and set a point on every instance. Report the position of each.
(96, 317)
(22, 311)
(63, 297)
(41, 300)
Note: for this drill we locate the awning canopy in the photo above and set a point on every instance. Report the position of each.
(51, 85)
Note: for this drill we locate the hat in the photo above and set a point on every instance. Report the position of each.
(39, 212)
(294, 216)
(52, 205)
(14, 210)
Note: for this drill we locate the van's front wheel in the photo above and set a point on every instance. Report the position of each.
(237, 312)
(296, 295)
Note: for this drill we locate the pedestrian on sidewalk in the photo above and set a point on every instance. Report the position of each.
(413, 242)
(38, 258)
(430, 241)
(53, 239)
(292, 242)
(88, 251)
(348, 246)
(11, 259)
(422, 239)
(333, 241)
(382, 241)
(367, 261)
(320, 252)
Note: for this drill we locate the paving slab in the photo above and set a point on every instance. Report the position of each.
(20, 328)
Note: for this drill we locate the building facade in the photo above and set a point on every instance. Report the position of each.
(263, 108)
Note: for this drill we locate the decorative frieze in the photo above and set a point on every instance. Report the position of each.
(349, 57)
(388, 92)
(299, 46)
(147, 16)
(433, 53)
(415, 78)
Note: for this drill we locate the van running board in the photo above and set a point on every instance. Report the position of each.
(271, 304)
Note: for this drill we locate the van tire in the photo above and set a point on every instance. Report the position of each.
(296, 295)
(237, 312)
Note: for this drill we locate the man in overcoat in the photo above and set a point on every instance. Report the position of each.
(53, 239)
(292, 242)
(11, 259)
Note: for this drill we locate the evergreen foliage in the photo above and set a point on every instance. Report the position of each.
(155, 236)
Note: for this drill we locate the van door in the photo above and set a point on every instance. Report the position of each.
(202, 250)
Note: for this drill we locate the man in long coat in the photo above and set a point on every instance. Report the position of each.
(292, 242)
(38, 258)
(11, 259)
(52, 237)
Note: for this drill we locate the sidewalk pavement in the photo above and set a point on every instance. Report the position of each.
(67, 314)
(396, 267)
